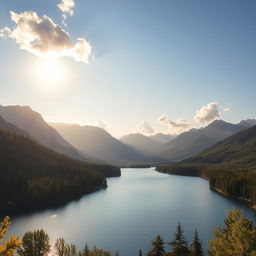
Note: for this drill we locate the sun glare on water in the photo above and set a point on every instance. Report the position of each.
(49, 75)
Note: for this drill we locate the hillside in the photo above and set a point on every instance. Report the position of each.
(163, 138)
(194, 141)
(12, 128)
(33, 124)
(230, 166)
(98, 143)
(33, 176)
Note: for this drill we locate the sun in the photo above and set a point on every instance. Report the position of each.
(49, 75)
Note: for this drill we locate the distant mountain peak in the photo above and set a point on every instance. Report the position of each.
(218, 122)
(247, 123)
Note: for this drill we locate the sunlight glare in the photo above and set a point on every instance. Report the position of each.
(49, 75)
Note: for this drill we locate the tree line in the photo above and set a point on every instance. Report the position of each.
(236, 238)
(34, 177)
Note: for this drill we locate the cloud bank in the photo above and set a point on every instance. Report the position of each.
(43, 38)
(145, 128)
(175, 126)
(207, 113)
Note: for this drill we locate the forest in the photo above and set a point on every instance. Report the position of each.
(230, 166)
(236, 238)
(35, 177)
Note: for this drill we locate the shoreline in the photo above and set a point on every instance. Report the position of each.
(219, 191)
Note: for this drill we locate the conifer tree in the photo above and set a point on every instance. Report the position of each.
(179, 243)
(157, 247)
(8, 248)
(60, 247)
(35, 243)
(236, 238)
(196, 246)
(99, 252)
(85, 251)
(140, 253)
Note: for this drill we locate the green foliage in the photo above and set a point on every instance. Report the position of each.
(229, 165)
(8, 247)
(236, 238)
(35, 243)
(196, 246)
(179, 243)
(99, 252)
(60, 246)
(33, 176)
(85, 251)
(157, 247)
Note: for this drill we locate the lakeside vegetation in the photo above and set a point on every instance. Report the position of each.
(35, 177)
(230, 166)
(236, 238)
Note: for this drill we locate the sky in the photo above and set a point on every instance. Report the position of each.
(130, 66)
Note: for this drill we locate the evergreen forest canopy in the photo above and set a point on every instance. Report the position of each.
(236, 238)
(34, 177)
(229, 165)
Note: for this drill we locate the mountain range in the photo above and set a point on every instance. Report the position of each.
(94, 144)
(230, 166)
(190, 143)
(99, 143)
(33, 125)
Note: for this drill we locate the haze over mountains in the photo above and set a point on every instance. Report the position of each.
(194, 141)
(94, 144)
(142, 143)
(33, 124)
(99, 143)
(230, 166)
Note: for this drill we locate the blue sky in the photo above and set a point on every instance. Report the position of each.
(151, 58)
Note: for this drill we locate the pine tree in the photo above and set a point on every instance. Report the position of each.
(179, 243)
(60, 247)
(85, 251)
(35, 243)
(196, 246)
(237, 238)
(157, 247)
(8, 248)
(140, 253)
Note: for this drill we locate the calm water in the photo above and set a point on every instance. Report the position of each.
(133, 210)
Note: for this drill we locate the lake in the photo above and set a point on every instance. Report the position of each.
(133, 210)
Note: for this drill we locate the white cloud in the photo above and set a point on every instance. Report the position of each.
(224, 110)
(175, 126)
(4, 32)
(98, 123)
(67, 6)
(145, 128)
(44, 38)
(207, 113)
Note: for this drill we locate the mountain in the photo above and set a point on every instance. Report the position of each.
(99, 143)
(33, 176)
(192, 142)
(33, 124)
(141, 143)
(230, 166)
(12, 128)
(238, 150)
(163, 138)
(247, 123)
